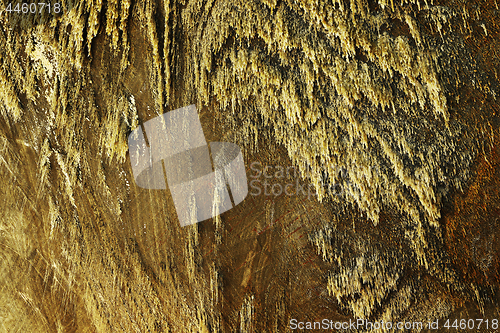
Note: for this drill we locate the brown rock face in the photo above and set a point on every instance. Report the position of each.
(369, 131)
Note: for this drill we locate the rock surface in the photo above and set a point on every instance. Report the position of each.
(387, 109)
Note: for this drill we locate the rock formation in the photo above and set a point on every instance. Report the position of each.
(394, 102)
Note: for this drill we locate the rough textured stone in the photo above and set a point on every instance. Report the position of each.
(395, 101)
